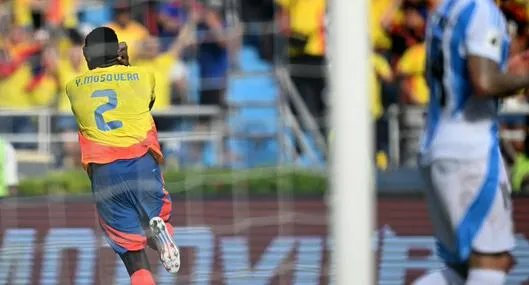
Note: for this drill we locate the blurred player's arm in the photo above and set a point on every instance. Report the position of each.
(123, 54)
(168, 22)
(484, 44)
(153, 93)
(489, 80)
(217, 31)
(185, 38)
(51, 59)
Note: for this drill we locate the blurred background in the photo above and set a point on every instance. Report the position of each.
(241, 115)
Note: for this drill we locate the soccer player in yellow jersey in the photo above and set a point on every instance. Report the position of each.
(121, 153)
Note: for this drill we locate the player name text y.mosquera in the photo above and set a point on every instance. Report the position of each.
(99, 78)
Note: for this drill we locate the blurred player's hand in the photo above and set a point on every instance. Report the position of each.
(196, 14)
(519, 64)
(123, 55)
(41, 36)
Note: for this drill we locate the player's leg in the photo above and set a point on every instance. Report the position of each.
(490, 260)
(119, 220)
(156, 206)
(473, 196)
(138, 267)
(441, 221)
(489, 269)
(446, 276)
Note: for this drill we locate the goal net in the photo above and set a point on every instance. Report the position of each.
(246, 153)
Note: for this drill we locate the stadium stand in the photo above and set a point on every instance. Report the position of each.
(261, 119)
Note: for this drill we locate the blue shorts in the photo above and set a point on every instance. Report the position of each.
(128, 193)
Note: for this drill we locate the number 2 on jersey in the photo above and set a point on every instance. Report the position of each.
(102, 125)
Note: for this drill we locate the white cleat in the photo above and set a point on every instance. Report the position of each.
(169, 253)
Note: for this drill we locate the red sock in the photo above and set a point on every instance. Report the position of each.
(142, 277)
(170, 228)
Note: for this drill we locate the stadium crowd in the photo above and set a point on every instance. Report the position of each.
(41, 49)
(398, 60)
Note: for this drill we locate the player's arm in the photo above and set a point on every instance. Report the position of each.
(185, 37)
(484, 48)
(153, 93)
(216, 27)
(123, 54)
(489, 80)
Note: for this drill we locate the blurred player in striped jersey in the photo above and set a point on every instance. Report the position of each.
(121, 153)
(469, 192)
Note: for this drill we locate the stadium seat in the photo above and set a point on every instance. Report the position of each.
(252, 89)
(95, 15)
(251, 62)
(193, 81)
(254, 120)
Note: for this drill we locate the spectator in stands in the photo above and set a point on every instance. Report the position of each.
(215, 42)
(410, 69)
(170, 75)
(172, 18)
(518, 17)
(22, 88)
(302, 22)
(93, 14)
(64, 68)
(8, 170)
(42, 88)
(381, 72)
(37, 14)
(168, 70)
(520, 169)
(29, 13)
(6, 17)
(383, 15)
(146, 12)
(213, 47)
(256, 15)
(62, 13)
(404, 21)
(128, 30)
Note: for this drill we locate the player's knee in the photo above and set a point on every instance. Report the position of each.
(432, 278)
(503, 261)
(441, 277)
(142, 277)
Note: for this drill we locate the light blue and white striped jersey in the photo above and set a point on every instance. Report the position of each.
(461, 125)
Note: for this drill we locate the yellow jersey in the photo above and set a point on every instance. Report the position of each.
(379, 37)
(14, 95)
(44, 93)
(66, 72)
(412, 64)
(112, 109)
(133, 34)
(308, 18)
(161, 68)
(380, 68)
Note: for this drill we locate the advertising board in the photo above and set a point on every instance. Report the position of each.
(249, 242)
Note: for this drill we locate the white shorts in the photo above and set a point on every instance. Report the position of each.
(470, 206)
